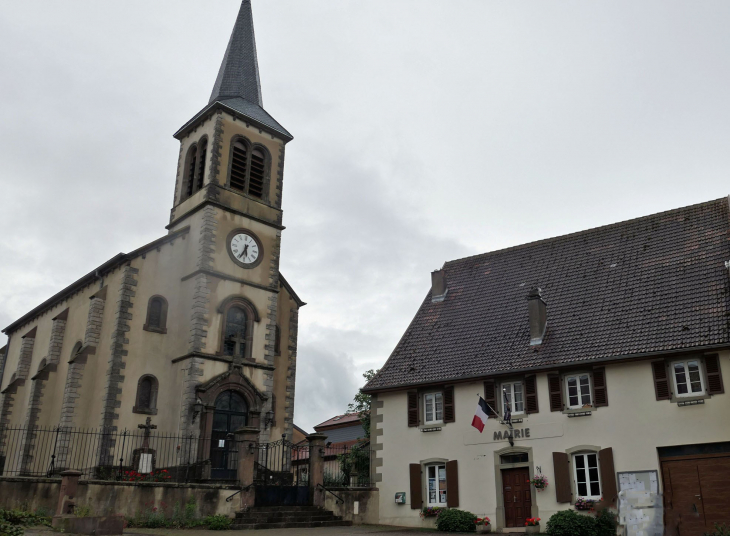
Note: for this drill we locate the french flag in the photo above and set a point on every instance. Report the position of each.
(481, 415)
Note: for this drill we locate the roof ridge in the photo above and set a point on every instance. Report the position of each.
(586, 231)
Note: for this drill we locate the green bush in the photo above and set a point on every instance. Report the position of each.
(569, 523)
(606, 523)
(218, 522)
(12, 521)
(453, 520)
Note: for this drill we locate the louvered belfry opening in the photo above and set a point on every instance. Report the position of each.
(189, 180)
(256, 181)
(202, 153)
(239, 163)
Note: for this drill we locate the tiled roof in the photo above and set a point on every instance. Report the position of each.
(649, 285)
(339, 420)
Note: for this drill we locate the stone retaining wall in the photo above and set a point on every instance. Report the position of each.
(367, 505)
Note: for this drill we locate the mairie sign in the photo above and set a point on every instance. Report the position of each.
(499, 433)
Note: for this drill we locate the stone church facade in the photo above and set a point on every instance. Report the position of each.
(198, 321)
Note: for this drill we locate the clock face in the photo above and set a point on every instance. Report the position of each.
(244, 248)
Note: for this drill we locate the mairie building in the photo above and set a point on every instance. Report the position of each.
(608, 346)
(197, 330)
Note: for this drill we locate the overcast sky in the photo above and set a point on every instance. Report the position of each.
(424, 131)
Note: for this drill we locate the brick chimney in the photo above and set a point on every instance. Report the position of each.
(537, 312)
(438, 285)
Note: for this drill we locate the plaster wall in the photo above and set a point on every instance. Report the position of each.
(634, 425)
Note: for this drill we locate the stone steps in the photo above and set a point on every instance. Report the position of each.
(286, 517)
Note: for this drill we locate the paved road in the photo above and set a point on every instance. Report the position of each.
(326, 531)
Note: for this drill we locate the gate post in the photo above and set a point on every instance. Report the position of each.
(247, 442)
(316, 468)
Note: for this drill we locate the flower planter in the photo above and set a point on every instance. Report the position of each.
(484, 529)
(532, 529)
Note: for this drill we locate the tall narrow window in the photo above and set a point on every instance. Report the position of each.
(146, 401)
(234, 341)
(436, 475)
(239, 164)
(587, 482)
(256, 180)
(579, 390)
(433, 407)
(277, 341)
(200, 175)
(190, 171)
(156, 315)
(514, 396)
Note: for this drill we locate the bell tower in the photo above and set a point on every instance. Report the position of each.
(228, 195)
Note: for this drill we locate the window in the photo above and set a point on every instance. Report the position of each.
(200, 175)
(436, 485)
(517, 457)
(156, 315)
(514, 396)
(234, 341)
(277, 341)
(587, 481)
(248, 168)
(190, 170)
(195, 168)
(433, 408)
(579, 390)
(146, 401)
(688, 378)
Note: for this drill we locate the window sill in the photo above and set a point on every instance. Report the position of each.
(690, 401)
(584, 409)
(144, 411)
(431, 427)
(154, 330)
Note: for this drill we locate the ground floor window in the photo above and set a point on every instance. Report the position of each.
(587, 482)
(436, 475)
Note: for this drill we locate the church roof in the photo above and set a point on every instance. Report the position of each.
(238, 85)
(654, 285)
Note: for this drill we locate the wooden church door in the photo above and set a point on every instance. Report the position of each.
(231, 413)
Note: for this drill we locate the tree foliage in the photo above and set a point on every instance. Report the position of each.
(361, 404)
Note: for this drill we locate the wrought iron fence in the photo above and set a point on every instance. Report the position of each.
(132, 455)
(347, 466)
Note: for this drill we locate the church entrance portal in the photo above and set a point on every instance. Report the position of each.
(231, 413)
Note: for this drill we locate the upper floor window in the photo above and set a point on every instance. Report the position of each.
(156, 315)
(433, 408)
(578, 389)
(277, 341)
(514, 396)
(247, 168)
(688, 378)
(587, 480)
(234, 341)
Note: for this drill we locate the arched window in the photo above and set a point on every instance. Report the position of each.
(248, 168)
(200, 173)
(234, 341)
(277, 341)
(146, 401)
(190, 167)
(156, 315)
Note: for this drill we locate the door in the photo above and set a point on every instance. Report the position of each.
(517, 497)
(696, 495)
(231, 413)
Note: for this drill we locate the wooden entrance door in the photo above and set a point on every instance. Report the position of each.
(517, 498)
(696, 495)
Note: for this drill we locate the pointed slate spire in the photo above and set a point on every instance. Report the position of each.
(239, 72)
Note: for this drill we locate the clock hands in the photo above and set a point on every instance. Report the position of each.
(243, 253)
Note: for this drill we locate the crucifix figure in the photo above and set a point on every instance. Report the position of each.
(239, 343)
(147, 428)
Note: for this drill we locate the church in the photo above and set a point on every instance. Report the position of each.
(194, 333)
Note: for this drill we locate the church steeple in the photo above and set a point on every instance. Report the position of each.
(237, 88)
(239, 72)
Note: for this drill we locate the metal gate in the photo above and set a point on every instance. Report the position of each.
(281, 474)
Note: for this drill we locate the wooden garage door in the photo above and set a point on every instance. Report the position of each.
(696, 494)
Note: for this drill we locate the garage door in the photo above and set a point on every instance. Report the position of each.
(696, 494)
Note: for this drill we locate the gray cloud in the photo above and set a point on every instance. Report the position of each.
(424, 131)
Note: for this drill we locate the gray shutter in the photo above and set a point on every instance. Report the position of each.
(416, 490)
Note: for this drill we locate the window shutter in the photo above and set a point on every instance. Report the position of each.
(714, 375)
(556, 392)
(661, 380)
(449, 415)
(531, 394)
(416, 491)
(412, 408)
(562, 477)
(490, 397)
(609, 490)
(452, 484)
(600, 391)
